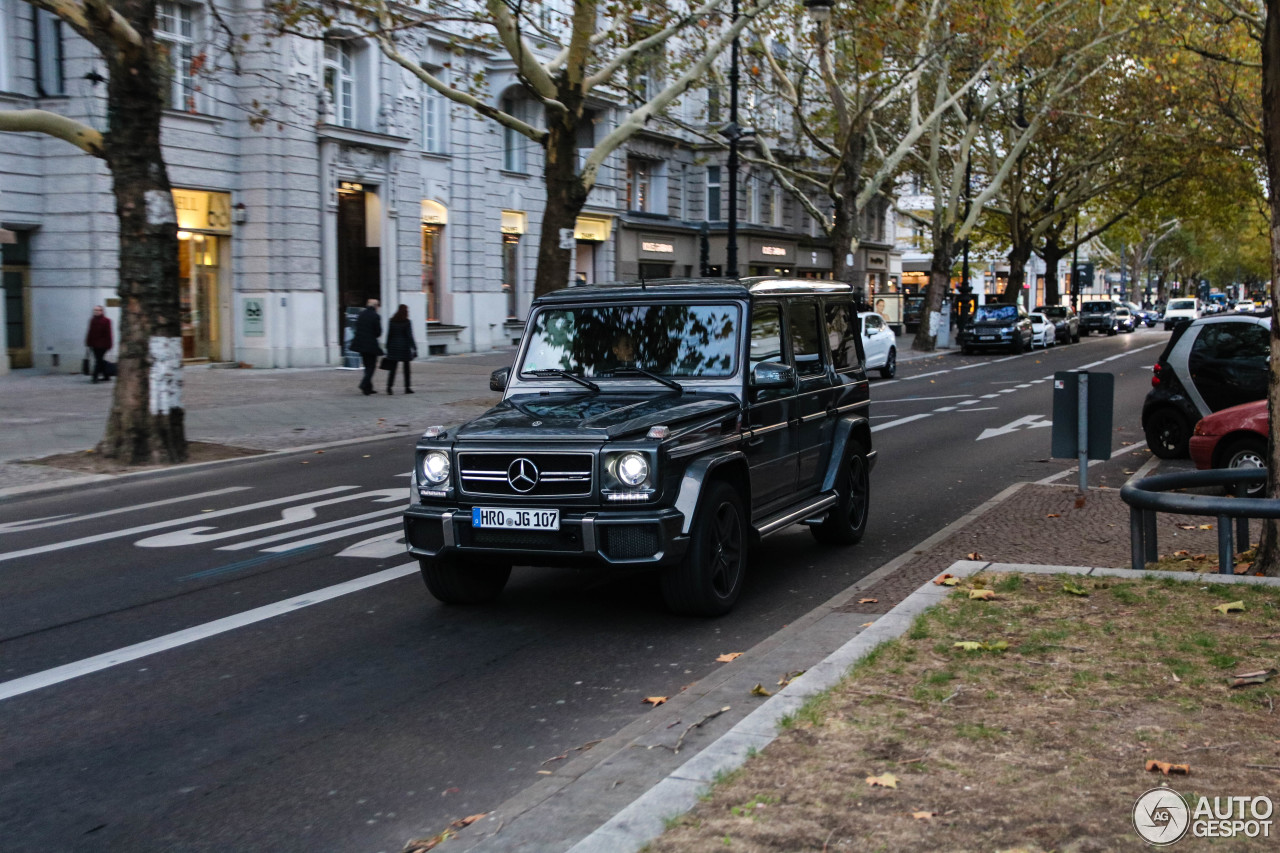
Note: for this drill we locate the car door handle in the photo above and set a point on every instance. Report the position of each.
(755, 440)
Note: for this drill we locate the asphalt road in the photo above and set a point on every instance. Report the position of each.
(274, 708)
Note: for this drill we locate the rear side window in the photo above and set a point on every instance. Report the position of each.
(806, 340)
(842, 335)
(1232, 341)
(766, 334)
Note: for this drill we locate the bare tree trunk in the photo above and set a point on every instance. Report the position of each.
(1051, 254)
(1018, 257)
(1269, 550)
(939, 286)
(566, 196)
(146, 421)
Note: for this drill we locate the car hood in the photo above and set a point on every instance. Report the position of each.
(603, 416)
(1248, 416)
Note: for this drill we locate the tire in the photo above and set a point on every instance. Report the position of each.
(1075, 339)
(456, 582)
(1168, 433)
(1016, 346)
(1246, 453)
(847, 520)
(1111, 332)
(965, 349)
(709, 579)
(890, 368)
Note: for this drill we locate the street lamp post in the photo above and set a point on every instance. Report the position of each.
(733, 132)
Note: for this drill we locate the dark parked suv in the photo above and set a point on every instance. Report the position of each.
(1208, 365)
(997, 326)
(668, 425)
(1098, 315)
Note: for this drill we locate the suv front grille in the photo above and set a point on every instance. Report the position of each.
(557, 474)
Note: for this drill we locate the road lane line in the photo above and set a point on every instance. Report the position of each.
(67, 518)
(899, 422)
(66, 672)
(360, 528)
(303, 531)
(922, 399)
(160, 525)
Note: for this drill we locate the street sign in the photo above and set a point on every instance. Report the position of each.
(254, 322)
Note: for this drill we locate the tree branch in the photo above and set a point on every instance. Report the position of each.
(631, 51)
(521, 51)
(80, 135)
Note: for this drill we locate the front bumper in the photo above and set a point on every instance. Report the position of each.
(585, 539)
(1201, 450)
(986, 338)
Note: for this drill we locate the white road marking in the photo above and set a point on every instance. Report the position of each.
(945, 409)
(315, 528)
(1025, 422)
(378, 548)
(1028, 384)
(338, 534)
(161, 525)
(969, 403)
(978, 409)
(1009, 390)
(66, 672)
(68, 518)
(923, 399)
(989, 396)
(1075, 469)
(291, 515)
(899, 422)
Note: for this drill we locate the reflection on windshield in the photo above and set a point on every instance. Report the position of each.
(998, 313)
(669, 340)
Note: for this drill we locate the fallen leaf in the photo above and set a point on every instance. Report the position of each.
(759, 690)
(1175, 677)
(1073, 589)
(319, 451)
(997, 646)
(1181, 553)
(983, 594)
(1243, 568)
(947, 580)
(1230, 607)
(789, 677)
(1080, 502)
(1053, 515)
(729, 656)
(1166, 768)
(1126, 443)
(1259, 677)
(868, 601)
(923, 815)
(655, 701)
(1182, 526)
(866, 624)
(544, 773)
(973, 555)
(366, 456)
(468, 820)
(968, 646)
(885, 780)
(1199, 556)
(1206, 527)
(1127, 471)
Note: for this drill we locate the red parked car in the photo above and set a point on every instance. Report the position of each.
(1232, 438)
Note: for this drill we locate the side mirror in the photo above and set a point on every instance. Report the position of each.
(770, 374)
(498, 379)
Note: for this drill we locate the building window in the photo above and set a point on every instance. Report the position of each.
(435, 120)
(751, 197)
(511, 272)
(49, 79)
(713, 194)
(713, 104)
(513, 141)
(639, 185)
(340, 83)
(775, 206)
(175, 42)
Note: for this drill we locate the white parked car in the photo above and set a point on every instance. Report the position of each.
(879, 344)
(1180, 309)
(1043, 332)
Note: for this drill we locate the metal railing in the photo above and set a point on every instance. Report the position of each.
(1150, 496)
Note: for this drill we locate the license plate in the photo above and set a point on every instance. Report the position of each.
(986, 337)
(516, 519)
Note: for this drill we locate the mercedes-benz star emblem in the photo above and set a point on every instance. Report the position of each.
(522, 475)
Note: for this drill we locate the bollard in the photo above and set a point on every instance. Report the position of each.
(1226, 554)
(1137, 531)
(1242, 534)
(1153, 551)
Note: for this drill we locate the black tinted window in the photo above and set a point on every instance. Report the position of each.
(806, 339)
(766, 334)
(1099, 307)
(842, 335)
(1232, 340)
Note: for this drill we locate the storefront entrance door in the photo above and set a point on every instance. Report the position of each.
(17, 291)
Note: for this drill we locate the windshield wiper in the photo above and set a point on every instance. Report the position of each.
(552, 371)
(670, 383)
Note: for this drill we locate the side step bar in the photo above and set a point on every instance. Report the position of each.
(774, 523)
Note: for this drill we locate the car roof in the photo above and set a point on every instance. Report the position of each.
(681, 288)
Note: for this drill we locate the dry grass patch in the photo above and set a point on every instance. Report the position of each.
(1040, 744)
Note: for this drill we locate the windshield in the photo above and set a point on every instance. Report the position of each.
(997, 313)
(668, 340)
(1054, 311)
(1099, 306)
(1182, 305)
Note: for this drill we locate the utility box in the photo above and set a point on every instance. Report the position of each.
(1067, 423)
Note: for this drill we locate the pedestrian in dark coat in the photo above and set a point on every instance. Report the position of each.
(401, 347)
(99, 340)
(365, 342)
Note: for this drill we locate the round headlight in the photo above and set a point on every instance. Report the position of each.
(435, 467)
(633, 469)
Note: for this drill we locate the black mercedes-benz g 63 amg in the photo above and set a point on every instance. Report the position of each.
(669, 424)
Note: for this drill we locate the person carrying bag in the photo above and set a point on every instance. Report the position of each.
(401, 347)
(99, 339)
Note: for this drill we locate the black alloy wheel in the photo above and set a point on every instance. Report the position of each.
(473, 581)
(709, 579)
(847, 521)
(1168, 433)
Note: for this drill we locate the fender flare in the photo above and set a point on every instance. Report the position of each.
(847, 429)
(691, 482)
